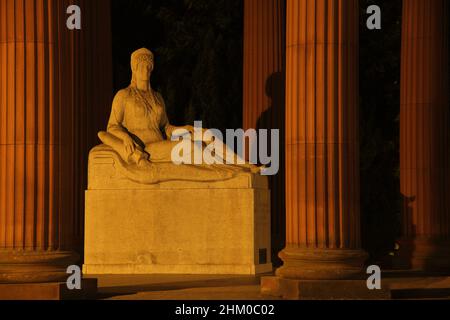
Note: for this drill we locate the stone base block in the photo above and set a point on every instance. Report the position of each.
(321, 289)
(29, 266)
(412, 286)
(48, 291)
(178, 231)
(426, 255)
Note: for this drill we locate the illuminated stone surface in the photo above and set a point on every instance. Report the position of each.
(425, 136)
(322, 146)
(194, 230)
(46, 93)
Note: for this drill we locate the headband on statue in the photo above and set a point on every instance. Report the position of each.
(139, 56)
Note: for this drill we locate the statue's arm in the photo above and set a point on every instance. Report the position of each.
(115, 122)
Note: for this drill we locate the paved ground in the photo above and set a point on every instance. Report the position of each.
(189, 287)
(178, 287)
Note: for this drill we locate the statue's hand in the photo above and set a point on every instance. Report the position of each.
(190, 129)
(129, 144)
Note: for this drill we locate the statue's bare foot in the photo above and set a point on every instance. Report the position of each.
(140, 157)
(257, 169)
(142, 162)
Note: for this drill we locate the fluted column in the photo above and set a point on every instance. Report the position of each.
(322, 167)
(44, 109)
(264, 90)
(425, 133)
(91, 80)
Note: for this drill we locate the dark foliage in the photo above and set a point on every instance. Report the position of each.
(379, 127)
(198, 49)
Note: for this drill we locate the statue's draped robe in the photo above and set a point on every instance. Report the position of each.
(143, 117)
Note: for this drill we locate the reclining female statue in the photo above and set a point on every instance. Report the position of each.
(139, 131)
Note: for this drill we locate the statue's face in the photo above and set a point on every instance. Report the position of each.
(144, 70)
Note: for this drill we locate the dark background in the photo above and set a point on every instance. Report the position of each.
(380, 128)
(198, 47)
(198, 54)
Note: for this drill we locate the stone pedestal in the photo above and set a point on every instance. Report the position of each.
(175, 227)
(425, 136)
(423, 255)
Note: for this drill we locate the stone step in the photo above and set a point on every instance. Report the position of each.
(420, 288)
(406, 294)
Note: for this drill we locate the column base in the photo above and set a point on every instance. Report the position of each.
(18, 267)
(290, 289)
(426, 255)
(48, 291)
(321, 264)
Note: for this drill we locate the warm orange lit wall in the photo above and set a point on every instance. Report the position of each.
(425, 132)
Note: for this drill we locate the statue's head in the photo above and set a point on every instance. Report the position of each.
(141, 65)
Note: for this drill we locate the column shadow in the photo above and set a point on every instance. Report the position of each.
(274, 118)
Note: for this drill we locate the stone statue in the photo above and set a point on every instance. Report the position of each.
(144, 214)
(140, 133)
